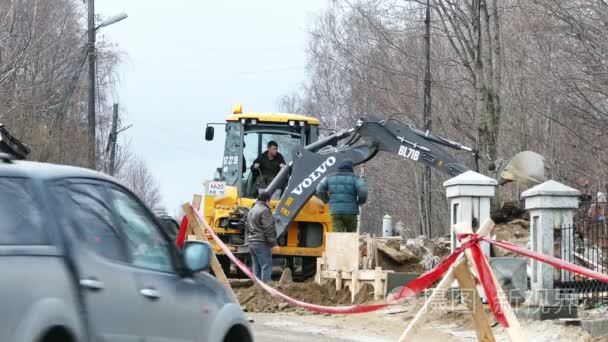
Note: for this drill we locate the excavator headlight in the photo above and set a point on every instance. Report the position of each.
(292, 123)
(254, 121)
(302, 123)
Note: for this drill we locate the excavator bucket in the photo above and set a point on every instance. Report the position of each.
(526, 167)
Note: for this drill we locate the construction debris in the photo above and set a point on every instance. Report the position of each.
(392, 249)
(410, 255)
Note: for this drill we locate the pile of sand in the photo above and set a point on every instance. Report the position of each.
(256, 299)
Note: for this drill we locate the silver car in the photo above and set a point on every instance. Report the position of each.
(82, 259)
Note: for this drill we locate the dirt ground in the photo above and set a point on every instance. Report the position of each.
(275, 320)
(380, 326)
(387, 327)
(255, 299)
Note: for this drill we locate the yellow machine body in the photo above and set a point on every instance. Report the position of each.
(225, 210)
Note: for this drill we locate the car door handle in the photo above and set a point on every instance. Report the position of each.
(150, 293)
(91, 283)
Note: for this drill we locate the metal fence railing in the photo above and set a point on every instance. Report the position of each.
(584, 244)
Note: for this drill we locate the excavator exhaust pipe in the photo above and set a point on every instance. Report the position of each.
(526, 167)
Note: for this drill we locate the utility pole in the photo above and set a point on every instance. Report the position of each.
(111, 147)
(91, 156)
(426, 178)
(112, 140)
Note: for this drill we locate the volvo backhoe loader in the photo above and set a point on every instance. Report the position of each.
(301, 218)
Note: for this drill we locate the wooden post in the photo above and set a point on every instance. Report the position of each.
(194, 220)
(196, 203)
(369, 241)
(378, 284)
(320, 268)
(354, 285)
(375, 254)
(473, 302)
(514, 331)
(338, 280)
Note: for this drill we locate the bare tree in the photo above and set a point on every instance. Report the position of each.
(136, 176)
(507, 76)
(42, 93)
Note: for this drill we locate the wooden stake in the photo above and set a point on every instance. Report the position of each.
(473, 302)
(379, 284)
(354, 285)
(196, 201)
(514, 331)
(200, 235)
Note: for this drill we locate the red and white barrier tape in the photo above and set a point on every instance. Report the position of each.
(425, 281)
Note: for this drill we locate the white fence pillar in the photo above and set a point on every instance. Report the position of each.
(469, 196)
(551, 206)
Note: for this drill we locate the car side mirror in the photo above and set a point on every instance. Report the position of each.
(197, 256)
(209, 133)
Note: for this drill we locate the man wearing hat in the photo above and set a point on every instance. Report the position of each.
(345, 192)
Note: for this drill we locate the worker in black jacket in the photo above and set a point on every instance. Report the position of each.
(262, 237)
(266, 166)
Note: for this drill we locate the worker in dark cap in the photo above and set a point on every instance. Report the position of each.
(345, 192)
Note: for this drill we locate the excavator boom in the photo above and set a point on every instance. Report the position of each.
(313, 162)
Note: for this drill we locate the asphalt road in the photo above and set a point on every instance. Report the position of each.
(274, 328)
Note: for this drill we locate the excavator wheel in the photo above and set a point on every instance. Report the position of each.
(308, 269)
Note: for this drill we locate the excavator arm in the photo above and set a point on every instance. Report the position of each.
(310, 164)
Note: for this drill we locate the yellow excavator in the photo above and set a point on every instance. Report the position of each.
(301, 218)
(231, 194)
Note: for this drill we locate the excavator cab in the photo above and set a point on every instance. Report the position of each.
(247, 137)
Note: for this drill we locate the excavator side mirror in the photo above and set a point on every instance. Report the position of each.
(218, 175)
(209, 133)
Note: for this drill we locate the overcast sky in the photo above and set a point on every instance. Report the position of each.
(187, 62)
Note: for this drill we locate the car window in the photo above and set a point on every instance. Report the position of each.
(20, 216)
(91, 216)
(147, 247)
(169, 225)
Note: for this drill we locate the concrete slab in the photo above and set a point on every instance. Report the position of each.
(541, 313)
